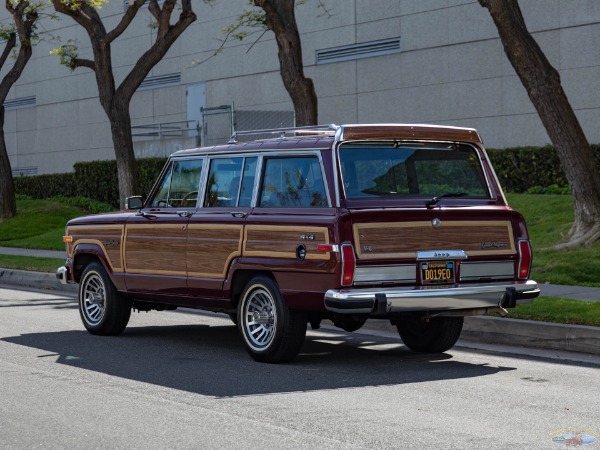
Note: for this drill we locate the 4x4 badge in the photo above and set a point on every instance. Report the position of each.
(436, 223)
(310, 237)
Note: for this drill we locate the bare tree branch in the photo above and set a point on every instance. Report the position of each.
(127, 18)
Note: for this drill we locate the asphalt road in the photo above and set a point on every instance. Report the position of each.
(183, 380)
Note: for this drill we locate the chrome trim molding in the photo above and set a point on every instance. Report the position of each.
(470, 271)
(385, 274)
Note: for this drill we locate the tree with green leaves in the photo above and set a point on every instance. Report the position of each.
(115, 100)
(542, 83)
(23, 27)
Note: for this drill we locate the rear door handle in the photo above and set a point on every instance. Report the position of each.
(239, 215)
(184, 213)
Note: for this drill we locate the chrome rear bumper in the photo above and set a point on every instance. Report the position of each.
(459, 297)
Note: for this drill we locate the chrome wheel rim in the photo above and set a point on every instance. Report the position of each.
(259, 318)
(93, 299)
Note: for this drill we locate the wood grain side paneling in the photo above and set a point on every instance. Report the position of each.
(275, 241)
(155, 249)
(108, 237)
(211, 248)
(403, 240)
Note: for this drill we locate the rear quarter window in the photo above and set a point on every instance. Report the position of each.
(292, 182)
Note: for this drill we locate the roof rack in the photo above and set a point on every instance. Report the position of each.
(313, 130)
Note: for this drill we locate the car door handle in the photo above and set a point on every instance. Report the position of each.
(184, 213)
(239, 215)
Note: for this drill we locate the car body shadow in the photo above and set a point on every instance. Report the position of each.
(211, 360)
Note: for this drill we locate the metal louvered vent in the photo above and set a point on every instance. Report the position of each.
(21, 102)
(24, 171)
(159, 81)
(358, 51)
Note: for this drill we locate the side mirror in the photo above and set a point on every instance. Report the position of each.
(135, 202)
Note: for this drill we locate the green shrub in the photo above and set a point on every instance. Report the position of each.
(522, 168)
(96, 180)
(45, 186)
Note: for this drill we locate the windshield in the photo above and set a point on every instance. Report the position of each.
(411, 170)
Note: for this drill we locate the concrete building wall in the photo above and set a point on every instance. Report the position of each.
(451, 69)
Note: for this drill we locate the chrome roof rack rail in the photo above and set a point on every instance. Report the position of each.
(282, 133)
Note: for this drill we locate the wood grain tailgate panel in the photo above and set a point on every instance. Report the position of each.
(403, 240)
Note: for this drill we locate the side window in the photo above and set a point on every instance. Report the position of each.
(223, 187)
(293, 182)
(179, 186)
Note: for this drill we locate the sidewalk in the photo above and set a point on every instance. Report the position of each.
(573, 338)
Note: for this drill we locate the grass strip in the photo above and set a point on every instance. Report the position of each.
(30, 263)
(559, 310)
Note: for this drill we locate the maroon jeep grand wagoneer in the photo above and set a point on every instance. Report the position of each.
(404, 223)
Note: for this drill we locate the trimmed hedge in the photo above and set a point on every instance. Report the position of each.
(523, 169)
(519, 169)
(45, 186)
(96, 180)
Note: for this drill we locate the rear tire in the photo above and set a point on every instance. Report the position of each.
(102, 309)
(271, 332)
(435, 335)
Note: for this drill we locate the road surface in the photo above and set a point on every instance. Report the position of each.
(183, 380)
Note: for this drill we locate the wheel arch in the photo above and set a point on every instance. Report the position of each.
(240, 279)
(84, 256)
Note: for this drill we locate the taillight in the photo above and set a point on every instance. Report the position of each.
(524, 260)
(348, 264)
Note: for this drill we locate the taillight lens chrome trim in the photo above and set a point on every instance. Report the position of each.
(348, 264)
(525, 257)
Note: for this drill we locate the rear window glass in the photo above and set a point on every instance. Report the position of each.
(411, 171)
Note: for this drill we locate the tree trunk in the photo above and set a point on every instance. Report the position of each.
(120, 124)
(542, 83)
(8, 204)
(281, 19)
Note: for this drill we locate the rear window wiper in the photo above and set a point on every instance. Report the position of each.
(434, 200)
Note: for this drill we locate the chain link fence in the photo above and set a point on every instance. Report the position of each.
(219, 123)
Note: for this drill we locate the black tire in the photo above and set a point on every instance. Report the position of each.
(435, 335)
(102, 309)
(270, 331)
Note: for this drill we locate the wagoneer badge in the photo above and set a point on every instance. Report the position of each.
(436, 223)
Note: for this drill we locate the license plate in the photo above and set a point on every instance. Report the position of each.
(437, 272)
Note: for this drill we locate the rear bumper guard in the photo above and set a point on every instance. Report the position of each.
(383, 301)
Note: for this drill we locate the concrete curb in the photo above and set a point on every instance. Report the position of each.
(36, 280)
(516, 332)
(492, 330)
(530, 333)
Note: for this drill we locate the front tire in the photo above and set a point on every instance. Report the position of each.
(271, 332)
(434, 335)
(102, 309)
